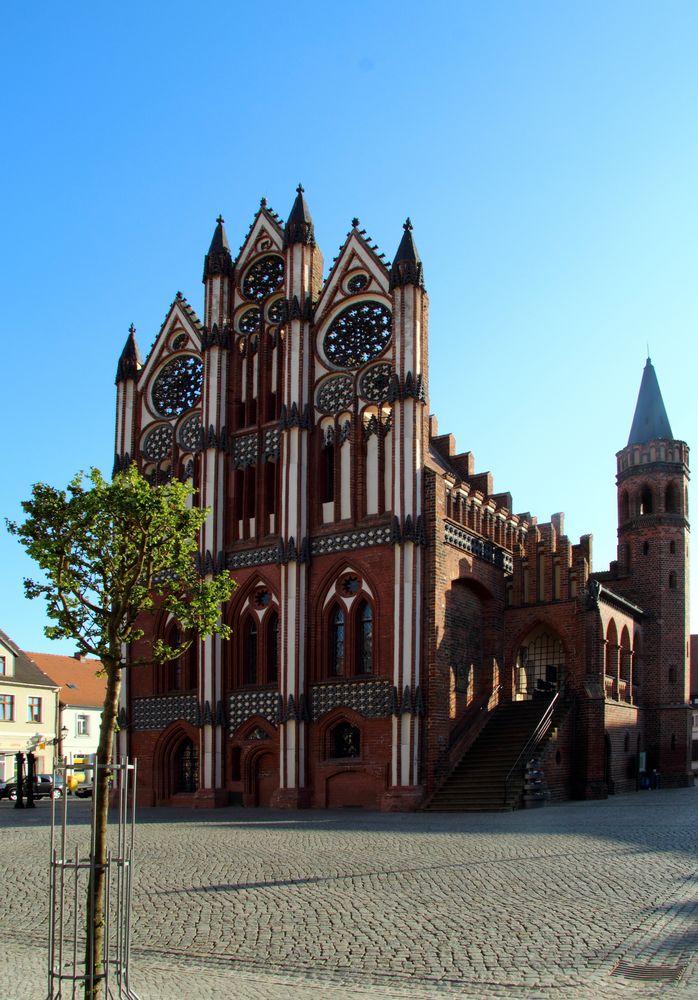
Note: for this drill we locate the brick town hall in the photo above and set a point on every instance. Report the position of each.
(401, 638)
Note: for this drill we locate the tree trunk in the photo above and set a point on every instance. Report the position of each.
(94, 955)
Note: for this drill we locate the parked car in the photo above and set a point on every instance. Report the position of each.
(43, 788)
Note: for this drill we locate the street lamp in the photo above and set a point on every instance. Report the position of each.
(61, 738)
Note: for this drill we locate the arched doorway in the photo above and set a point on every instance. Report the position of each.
(540, 664)
(176, 765)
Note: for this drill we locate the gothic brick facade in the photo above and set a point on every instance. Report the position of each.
(388, 598)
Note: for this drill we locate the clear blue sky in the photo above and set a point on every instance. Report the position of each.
(546, 152)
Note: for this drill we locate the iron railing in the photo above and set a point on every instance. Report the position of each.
(539, 734)
(70, 966)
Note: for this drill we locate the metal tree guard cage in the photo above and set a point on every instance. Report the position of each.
(70, 972)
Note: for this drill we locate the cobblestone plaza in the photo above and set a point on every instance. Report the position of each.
(581, 900)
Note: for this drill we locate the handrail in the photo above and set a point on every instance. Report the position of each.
(533, 741)
(470, 714)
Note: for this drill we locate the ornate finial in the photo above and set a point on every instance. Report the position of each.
(262, 202)
(179, 296)
(355, 223)
(408, 224)
(648, 352)
(132, 328)
(220, 220)
(300, 189)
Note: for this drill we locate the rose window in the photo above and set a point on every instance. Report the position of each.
(190, 433)
(357, 283)
(263, 278)
(178, 386)
(375, 383)
(358, 335)
(250, 319)
(158, 444)
(276, 311)
(336, 394)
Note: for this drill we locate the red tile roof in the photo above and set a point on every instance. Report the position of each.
(76, 677)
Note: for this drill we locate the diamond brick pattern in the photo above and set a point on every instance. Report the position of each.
(369, 698)
(159, 712)
(244, 704)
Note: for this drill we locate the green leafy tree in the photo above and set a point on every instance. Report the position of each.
(112, 553)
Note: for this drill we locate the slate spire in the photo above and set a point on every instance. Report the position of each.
(650, 421)
(218, 260)
(299, 227)
(130, 362)
(407, 266)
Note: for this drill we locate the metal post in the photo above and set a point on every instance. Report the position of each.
(31, 768)
(19, 803)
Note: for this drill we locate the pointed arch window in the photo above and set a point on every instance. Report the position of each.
(364, 659)
(273, 648)
(187, 768)
(250, 651)
(345, 740)
(337, 627)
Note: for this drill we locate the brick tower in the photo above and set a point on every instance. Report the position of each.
(653, 534)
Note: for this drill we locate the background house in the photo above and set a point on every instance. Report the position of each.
(81, 698)
(28, 710)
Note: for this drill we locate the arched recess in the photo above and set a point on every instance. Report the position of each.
(350, 776)
(471, 671)
(672, 502)
(611, 660)
(176, 763)
(646, 501)
(625, 666)
(540, 663)
(624, 507)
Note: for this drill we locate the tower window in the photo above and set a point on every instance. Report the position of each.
(646, 504)
(672, 548)
(672, 675)
(672, 581)
(645, 548)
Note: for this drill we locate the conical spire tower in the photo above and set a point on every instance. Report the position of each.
(650, 422)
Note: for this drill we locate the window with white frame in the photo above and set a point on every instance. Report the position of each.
(3, 665)
(83, 725)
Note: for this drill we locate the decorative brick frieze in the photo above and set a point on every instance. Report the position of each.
(243, 705)
(272, 443)
(479, 547)
(252, 557)
(158, 712)
(244, 450)
(372, 699)
(349, 540)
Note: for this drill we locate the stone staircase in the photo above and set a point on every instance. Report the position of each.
(478, 782)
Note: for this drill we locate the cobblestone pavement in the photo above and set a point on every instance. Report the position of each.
(583, 900)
